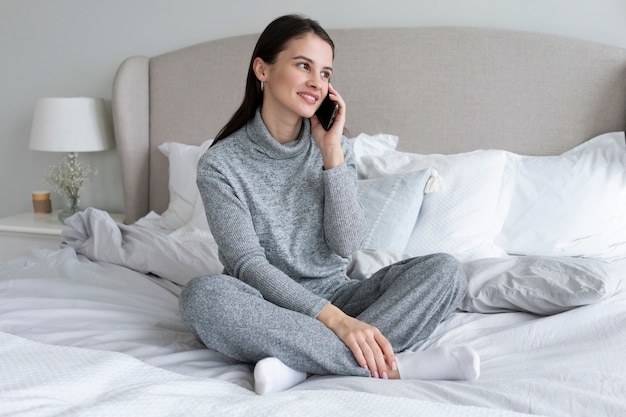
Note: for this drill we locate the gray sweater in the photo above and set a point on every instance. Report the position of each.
(283, 224)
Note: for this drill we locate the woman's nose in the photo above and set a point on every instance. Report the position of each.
(315, 81)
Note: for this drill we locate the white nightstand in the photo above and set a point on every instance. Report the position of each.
(23, 232)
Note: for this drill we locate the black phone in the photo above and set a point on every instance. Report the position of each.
(327, 112)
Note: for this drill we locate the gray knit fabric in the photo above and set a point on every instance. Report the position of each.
(285, 230)
(283, 224)
(405, 301)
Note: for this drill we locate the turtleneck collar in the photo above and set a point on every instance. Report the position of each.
(265, 143)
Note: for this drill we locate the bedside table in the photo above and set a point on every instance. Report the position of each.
(23, 232)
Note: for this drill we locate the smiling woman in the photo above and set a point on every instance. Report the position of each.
(280, 194)
(457, 101)
(270, 44)
(294, 85)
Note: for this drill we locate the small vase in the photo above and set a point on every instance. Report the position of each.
(72, 207)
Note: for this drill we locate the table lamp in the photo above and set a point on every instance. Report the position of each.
(70, 124)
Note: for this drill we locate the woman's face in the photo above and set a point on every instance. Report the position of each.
(296, 84)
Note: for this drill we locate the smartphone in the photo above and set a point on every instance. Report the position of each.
(327, 112)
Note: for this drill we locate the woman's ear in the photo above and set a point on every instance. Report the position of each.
(260, 69)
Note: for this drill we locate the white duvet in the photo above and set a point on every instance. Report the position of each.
(93, 338)
(46, 380)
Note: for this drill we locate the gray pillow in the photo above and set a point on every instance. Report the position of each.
(540, 285)
(392, 204)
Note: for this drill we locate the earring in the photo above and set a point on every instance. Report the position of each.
(261, 86)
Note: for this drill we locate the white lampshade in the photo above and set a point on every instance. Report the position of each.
(71, 124)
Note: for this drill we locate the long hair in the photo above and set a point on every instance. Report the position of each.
(272, 41)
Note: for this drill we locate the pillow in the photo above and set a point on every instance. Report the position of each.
(184, 194)
(572, 204)
(540, 285)
(391, 205)
(365, 262)
(464, 218)
(379, 144)
(185, 204)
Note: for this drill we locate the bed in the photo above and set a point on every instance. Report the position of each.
(504, 148)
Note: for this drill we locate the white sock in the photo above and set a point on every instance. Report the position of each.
(271, 375)
(448, 363)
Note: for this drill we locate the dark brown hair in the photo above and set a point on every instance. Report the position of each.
(272, 41)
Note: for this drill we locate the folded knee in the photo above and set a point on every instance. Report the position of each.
(204, 296)
(457, 281)
(457, 278)
(444, 270)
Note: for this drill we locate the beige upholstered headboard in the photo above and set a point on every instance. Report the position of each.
(441, 90)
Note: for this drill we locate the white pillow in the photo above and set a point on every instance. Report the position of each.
(364, 145)
(185, 204)
(464, 218)
(391, 205)
(366, 262)
(570, 205)
(184, 194)
(540, 285)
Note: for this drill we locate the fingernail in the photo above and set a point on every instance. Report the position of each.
(394, 366)
(376, 375)
(385, 375)
(366, 367)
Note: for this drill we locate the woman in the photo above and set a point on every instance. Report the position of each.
(280, 196)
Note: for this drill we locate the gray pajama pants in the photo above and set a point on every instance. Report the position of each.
(405, 301)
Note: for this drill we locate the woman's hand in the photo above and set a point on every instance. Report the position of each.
(370, 348)
(329, 142)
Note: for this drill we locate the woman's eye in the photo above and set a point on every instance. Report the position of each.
(326, 74)
(304, 65)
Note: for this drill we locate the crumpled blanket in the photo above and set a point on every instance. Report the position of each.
(176, 256)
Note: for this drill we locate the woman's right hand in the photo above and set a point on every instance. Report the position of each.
(370, 348)
(329, 142)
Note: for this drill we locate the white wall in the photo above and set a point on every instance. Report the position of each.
(73, 47)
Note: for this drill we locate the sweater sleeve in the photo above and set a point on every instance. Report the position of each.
(240, 251)
(344, 218)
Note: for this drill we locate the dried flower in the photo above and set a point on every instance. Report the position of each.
(68, 176)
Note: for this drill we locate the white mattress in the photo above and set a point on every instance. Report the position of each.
(568, 364)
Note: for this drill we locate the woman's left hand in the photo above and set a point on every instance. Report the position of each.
(329, 141)
(371, 349)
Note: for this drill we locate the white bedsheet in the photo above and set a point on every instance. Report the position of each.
(58, 297)
(569, 364)
(46, 380)
(78, 311)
